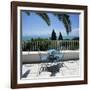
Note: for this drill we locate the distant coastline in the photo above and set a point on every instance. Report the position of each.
(26, 38)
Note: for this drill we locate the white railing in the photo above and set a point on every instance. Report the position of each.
(49, 44)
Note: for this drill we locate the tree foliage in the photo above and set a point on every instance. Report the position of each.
(65, 19)
(60, 36)
(53, 35)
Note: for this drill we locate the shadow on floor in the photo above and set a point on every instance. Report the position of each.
(26, 74)
(53, 69)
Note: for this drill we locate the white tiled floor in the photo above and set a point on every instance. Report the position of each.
(70, 68)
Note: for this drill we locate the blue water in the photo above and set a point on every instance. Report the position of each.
(25, 38)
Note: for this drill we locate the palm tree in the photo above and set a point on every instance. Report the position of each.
(61, 17)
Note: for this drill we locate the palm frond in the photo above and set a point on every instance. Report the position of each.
(45, 17)
(27, 12)
(66, 21)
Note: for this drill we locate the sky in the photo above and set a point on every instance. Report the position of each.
(34, 26)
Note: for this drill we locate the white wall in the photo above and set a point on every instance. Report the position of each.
(5, 44)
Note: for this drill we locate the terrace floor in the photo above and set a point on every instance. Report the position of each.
(68, 69)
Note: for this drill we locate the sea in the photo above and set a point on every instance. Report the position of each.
(25, 38)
